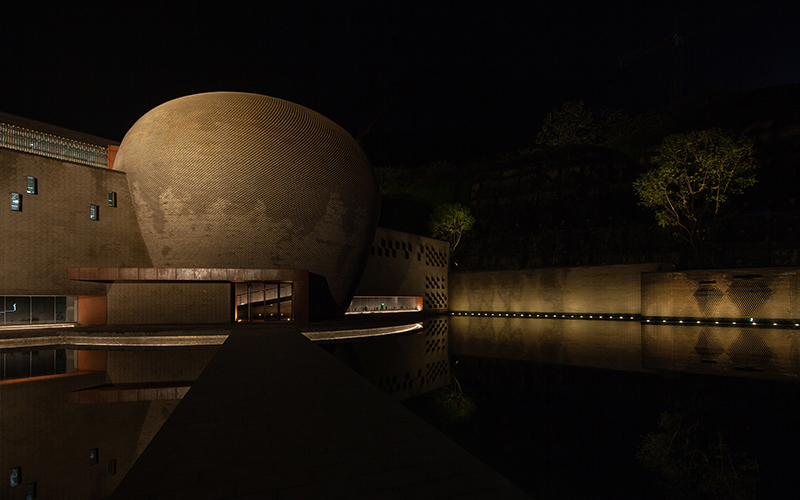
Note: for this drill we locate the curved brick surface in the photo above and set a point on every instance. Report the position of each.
(229, 179)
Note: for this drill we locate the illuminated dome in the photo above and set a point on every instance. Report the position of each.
(235, 180)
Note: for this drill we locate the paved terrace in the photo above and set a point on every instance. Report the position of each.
(274, 416)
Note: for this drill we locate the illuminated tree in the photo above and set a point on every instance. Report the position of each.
(694, 176)
(449, 221)
(570, 124)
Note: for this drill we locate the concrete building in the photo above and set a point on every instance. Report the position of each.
(215, 208)
(215, 211)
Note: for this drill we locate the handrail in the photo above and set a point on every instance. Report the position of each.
(52, 146)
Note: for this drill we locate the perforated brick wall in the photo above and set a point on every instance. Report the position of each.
(403, 264)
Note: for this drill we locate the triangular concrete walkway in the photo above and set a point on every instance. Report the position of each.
(274, 416)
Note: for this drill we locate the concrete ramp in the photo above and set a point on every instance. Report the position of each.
(275, 416)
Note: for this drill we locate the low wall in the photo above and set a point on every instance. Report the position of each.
(690, 321)
(596, 289)
(738, 293)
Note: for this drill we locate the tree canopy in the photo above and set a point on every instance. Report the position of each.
(693, 178)
(570, 124)
(449, 221)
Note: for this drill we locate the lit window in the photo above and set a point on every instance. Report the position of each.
(93, 212)
(16, 202)
(93, 456)
(112, 198)
(32, 185)
(16, 476)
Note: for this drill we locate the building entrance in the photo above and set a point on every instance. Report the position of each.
(260, 301)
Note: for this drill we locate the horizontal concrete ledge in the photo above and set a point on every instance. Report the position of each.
(183, 274)
(178, 336)
(362, 333)
(38, 326)
(73, 341)
(126, 393)
(726, 322)
(550, 315)
(779, 323)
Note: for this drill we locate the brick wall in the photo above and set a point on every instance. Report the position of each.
(169, 303)
(738, 293)
(600, 289)
(53, 231)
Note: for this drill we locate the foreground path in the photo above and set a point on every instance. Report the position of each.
(275, 416)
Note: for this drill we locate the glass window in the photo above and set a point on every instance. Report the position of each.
(112, 199)
(72, 309)
(61, 309)
(286, 301)
(112, 467)
(43, 309)
(93, 456)
(16, 476)
(32, 185)
(93, 212)
(30, 491)
(18, 311)
(16, 202)
(263, 301)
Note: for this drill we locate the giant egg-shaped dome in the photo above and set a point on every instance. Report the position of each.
(237, 180)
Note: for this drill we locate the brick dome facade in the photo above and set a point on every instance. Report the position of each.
(236, 180)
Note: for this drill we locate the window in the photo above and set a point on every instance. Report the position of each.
(112, 198)
(16, 476)
(112, 467)
(32, 185)
(16, 202)
(30, 491)
(93, 456)
(93, 212)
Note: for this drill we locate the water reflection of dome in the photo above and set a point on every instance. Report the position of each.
(235, 180)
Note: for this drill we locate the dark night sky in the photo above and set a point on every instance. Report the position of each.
(418, 81)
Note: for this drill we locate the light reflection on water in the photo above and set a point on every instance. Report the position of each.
(771, 353)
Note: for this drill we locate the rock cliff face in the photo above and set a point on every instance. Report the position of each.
(576, 206)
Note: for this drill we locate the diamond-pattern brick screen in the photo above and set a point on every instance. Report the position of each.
(760, 293)
(229, 179)
(749, 351)
(708, 346)
(749, 294)
(708, 298)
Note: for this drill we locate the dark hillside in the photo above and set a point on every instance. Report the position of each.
(576, 206)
